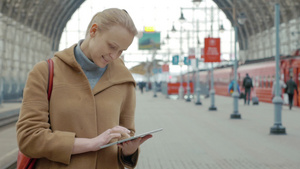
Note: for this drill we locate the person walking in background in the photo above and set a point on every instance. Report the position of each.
(247, 85)
(282, 86)
(92, 103)
(142, 84)
(231, 87)
(291, 86)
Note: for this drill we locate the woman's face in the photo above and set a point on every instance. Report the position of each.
(107, 45)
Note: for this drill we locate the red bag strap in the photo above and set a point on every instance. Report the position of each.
(23, 161)
(50, 77)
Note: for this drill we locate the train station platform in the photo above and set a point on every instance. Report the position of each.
(8, 142)
(195, 138)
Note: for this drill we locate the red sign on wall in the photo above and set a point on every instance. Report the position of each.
(192, 53)
(202, 53)
(165, 68)
(212, 50)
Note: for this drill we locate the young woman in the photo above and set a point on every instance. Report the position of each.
(92, 102)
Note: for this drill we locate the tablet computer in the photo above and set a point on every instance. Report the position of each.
(132, 138)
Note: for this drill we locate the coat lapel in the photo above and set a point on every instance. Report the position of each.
(116, 73)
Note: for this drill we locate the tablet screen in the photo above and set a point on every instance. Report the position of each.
(132, 138)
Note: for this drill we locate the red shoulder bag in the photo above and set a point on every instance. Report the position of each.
(23, 161)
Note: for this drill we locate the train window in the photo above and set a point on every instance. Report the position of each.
(272, 80)
(264, 81)
(291, 72)
(299, 81)
(241, 81)
(269, 81)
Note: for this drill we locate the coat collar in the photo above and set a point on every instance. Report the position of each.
(116, 72)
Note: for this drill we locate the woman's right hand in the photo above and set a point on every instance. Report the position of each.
(82, 145)
(109, 134)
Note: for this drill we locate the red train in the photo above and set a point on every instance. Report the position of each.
(262, 73)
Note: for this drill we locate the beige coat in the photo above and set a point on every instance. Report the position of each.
(76, 110)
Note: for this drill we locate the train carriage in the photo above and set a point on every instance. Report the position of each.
(263, 74)
(222, 78)
(291, 68)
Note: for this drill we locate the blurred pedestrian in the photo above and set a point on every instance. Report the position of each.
(247, 85)
(231, 87)
(92, 102)
(282, 86)
(291, 86)
(142, 84)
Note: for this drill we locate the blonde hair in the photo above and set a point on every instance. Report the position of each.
(110, 17)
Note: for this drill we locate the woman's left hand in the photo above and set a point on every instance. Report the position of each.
(129, 147)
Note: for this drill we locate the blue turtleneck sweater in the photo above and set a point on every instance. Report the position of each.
(91, 70)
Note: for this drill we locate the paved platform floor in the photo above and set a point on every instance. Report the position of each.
(8, 142)
(4, 107)
(195, 138)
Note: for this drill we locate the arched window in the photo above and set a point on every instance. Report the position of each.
(260, 81)
(256, 82)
